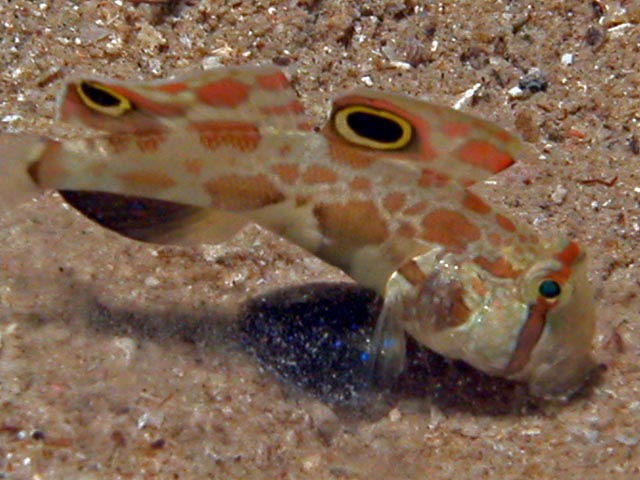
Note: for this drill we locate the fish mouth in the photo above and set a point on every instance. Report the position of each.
(554, 351)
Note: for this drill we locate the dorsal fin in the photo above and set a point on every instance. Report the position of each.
(231, 104)
(448, 145)
(261, 95)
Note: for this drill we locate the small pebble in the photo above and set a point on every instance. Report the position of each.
(210, 62)
(367, 81)
(534, 81)
(395, 415)
(566, 59)
(559, 195)
(515, 92)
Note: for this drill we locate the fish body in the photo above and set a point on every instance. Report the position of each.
(382, 191)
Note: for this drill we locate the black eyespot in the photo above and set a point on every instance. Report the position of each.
(375, 127)
(99, 96)
(549, 289)
(103, 99)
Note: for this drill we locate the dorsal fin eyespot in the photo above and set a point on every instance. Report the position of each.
(102, 99)
(458, 147)
(372, 128)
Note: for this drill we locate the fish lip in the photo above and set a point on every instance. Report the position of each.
(528, 337)
(559, 365)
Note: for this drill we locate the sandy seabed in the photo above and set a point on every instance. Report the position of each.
(116, 357)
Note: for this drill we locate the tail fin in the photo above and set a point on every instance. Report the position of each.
(16, 185)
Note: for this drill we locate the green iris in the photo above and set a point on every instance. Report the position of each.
(549, 289)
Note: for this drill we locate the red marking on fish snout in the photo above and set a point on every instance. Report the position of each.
(286, 172)
(318, 174)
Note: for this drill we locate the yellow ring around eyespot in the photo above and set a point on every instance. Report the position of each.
(123, 106)
(342, 127)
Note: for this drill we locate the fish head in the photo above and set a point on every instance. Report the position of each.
(535, 327)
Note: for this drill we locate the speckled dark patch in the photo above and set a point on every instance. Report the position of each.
(315, 337)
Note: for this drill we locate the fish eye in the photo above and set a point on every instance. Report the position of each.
(549, 289)
(372, 127)
(102, 99)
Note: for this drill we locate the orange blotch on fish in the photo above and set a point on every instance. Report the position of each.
(456, 129)
(193, 167)
(287, 172)
(346, 155)
(500, 267)
(569, 254)
(479, 286)
(503, 136)
(474, 203)
(174, 88)
(242, 192)
(394, 201)
(294, 107)
(120, 142)
(445, 300)
(214, 134)
(361, 184)
(429, 178)
(450, 229)
(505, 223)
(272, 82)
(225, 93)
(149, 142)
(416, 208)
(354, 223)
(483, 154)
(318, 174)
(567, 257)
(145, 181)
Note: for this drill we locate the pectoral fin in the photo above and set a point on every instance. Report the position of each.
(155, 221)
(388, 348)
